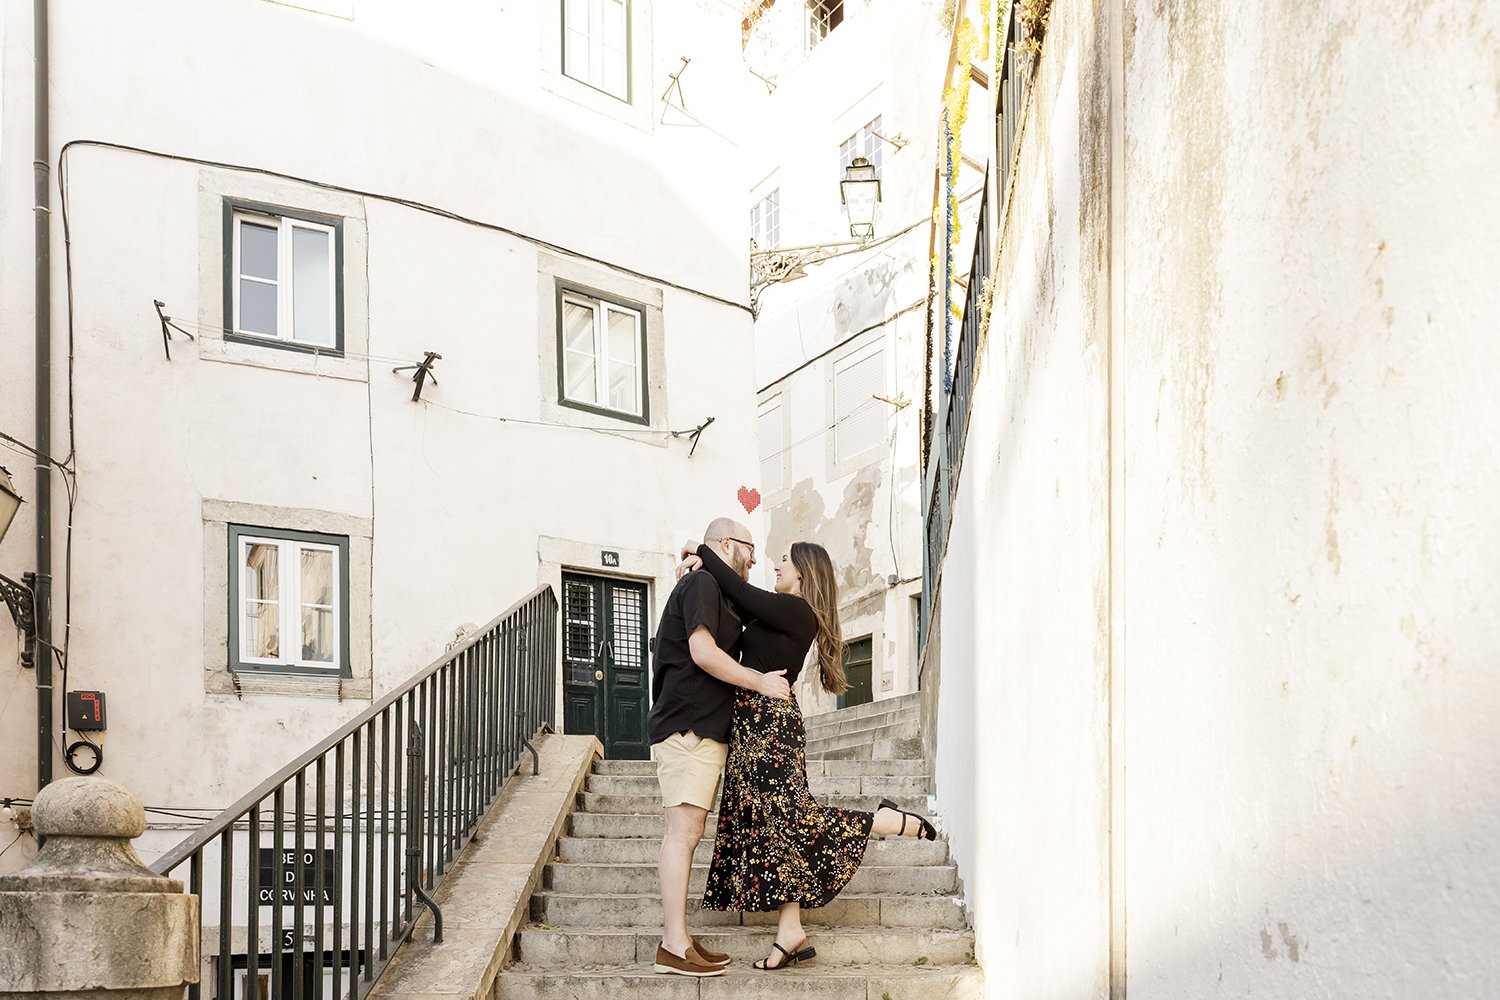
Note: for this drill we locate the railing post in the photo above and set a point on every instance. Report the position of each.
(85, 917)
(418, 831)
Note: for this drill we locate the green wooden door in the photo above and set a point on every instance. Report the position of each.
(858, 657)
(605, 663)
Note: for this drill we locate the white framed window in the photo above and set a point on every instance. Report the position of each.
(765, 221)
(601, 354)
(596, 44)
(288, 601)
(768, 425)
(282, 280)
(822, 17)
(867, 143)
(858, 415)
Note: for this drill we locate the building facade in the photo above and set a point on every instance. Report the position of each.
(280, 512)
(839, 342)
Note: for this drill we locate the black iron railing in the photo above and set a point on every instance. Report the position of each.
(950, 419)
(316, 877)
(1010, 98)
(959, 400)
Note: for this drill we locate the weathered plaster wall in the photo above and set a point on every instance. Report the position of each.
(1312, 461)
(1308, 571)
(1021, 761)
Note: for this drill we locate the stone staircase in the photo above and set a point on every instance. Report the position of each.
(897, 932)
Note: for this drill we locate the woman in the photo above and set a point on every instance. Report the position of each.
(776, 848)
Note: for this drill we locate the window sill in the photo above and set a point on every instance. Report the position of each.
(268, 683)
(282, 359)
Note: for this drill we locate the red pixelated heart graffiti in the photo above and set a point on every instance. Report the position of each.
(749, 498)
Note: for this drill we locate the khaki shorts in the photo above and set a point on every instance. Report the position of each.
(689, 767)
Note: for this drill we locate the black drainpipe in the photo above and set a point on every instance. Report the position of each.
(41, 161)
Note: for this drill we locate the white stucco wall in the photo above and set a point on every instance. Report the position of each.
(469, 511)
(1306, 557)
(1021, 740)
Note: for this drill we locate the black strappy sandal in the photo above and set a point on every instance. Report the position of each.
(925, 832)
(801, 954)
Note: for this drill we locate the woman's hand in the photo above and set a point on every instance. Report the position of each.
(687, 565)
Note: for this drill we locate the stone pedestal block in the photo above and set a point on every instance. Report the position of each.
(85, 919)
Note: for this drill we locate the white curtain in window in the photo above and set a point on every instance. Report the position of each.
(579, 377)
(312, 286)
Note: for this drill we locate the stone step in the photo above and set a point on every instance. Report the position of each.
(815, 981)
(899, 703)
(572, 948)
(876, 785)
(647, 850)
(815, 768)
(650, 805)
(600, 879)
(833, 727)
(839, 741)
(649, 825)
(909, 748)
(565, 909)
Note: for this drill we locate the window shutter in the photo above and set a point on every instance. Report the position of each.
(859, 417)
(771, 457)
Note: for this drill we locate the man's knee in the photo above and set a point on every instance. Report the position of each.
(685, 824)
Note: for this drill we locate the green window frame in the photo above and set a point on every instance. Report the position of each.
(288, 542)
(235, 213)
(579, 296)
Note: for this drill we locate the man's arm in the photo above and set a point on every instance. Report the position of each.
(713, 660)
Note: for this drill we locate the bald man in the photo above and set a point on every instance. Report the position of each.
(694, 671)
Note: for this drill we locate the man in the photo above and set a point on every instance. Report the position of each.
(693, 676)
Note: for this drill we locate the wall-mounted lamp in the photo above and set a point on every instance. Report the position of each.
(18, 597)
(860, 193)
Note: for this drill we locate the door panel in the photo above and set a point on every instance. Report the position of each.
(627, 678)
(581, 640)
(858, 655)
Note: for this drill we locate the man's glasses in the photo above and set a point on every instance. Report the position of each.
(748, 545)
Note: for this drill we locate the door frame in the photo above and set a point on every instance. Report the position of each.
(556, 556)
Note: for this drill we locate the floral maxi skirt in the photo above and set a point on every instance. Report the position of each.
(775, 843)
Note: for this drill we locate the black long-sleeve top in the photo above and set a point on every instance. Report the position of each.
(784, 625)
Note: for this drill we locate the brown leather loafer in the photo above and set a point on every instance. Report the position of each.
(711, 957)
(690, 965)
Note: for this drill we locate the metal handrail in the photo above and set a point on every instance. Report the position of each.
(948, 426)
(460, 725)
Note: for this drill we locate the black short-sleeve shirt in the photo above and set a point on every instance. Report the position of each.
(684, 696)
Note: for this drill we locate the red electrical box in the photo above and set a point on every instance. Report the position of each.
(85, 710)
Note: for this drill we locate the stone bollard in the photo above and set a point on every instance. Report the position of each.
(85, 918)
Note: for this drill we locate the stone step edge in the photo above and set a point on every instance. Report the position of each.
(642, 970)
(612, 865)
(697, 897)
(742, 930)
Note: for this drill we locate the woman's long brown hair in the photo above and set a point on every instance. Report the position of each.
(821, 591)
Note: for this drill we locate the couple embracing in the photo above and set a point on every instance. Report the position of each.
(726, 656)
